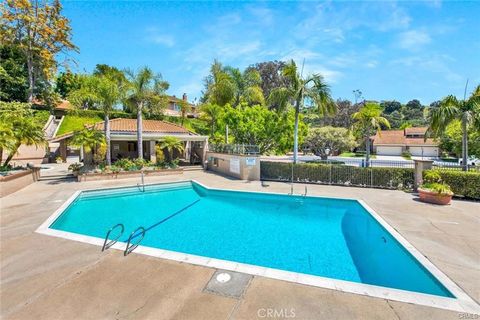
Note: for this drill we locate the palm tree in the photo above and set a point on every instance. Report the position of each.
(220, 87)
(103, 94)
(185, 108)
(451, 109)
(145, 91)
(313, 88)
(247, 86)
(89, 140)
(211, 113)
(171, 144)
(7, 139)
(25, 131)
(369, 121)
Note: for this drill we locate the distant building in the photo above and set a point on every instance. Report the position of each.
(394, 142)
(173, 108)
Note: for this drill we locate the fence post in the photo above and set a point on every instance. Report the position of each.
(420, 166)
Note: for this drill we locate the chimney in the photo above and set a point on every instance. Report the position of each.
(184, 97)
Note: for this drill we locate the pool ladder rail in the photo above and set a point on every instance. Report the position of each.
(112, 242)
(130, 246)
(142, 183)
(303, 195)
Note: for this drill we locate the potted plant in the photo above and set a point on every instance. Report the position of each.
(75, 168)
(434, 190)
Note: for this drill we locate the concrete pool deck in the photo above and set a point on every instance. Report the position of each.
(44, 277)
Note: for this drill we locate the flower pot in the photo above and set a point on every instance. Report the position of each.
(434, 197)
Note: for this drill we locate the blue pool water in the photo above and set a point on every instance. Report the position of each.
(332, 238)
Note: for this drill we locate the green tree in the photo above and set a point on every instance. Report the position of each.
(171, 144)
(7, 139)
(271, 76)
(103, 94)
(451, 140)
(329, 140)
(247, 86)
(185, 108)
(40, 31)
(211, 113)
(311, 88)
(13, 74)
(219, 86)
(256, 125)
(67, 82)
(89, 140)
(467, 111)
(369, 121)
(24, 129)
(145, 93)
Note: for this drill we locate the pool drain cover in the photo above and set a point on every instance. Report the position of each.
(228, 283)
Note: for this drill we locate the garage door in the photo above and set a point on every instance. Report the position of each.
(389, 151)
(427, 151)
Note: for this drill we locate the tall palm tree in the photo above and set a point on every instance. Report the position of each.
(145, 91)
(171, 144)
(102, 93)
(312, 88)
(451, 109)
(369, 121)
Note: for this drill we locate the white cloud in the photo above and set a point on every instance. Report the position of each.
(154, 35)
(413, 39)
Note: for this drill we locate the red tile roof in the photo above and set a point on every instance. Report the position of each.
(130, 125)
(416, 130)
(398, 137)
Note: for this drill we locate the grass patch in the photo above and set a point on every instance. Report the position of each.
(41, 117)
(73, 123)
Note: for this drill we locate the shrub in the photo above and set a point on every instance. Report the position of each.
(407, 155)
(462, 183)
(124, 163)
(390, 178)
(75, 167)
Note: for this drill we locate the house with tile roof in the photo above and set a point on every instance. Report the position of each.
(412, 140)
(123, 134)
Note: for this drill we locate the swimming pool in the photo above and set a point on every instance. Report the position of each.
(324, 238)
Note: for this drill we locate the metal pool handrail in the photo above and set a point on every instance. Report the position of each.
(129, 248)
(112, 242)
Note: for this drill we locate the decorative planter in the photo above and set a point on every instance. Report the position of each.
(127, 174)
(434, 197)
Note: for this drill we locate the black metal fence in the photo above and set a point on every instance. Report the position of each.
(339, 174)
(455, 166)
(234, 148)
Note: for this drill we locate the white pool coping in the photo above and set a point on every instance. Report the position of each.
(462, 302)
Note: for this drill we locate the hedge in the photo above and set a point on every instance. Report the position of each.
(463, 183)
(388, 178)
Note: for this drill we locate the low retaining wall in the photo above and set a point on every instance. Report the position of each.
(126, 174)
(245, 167)
(14, 182)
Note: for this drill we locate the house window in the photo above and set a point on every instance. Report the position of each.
(215, 162)
(131, 146)
(176, 107)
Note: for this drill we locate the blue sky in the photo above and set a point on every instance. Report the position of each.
(389, 50)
